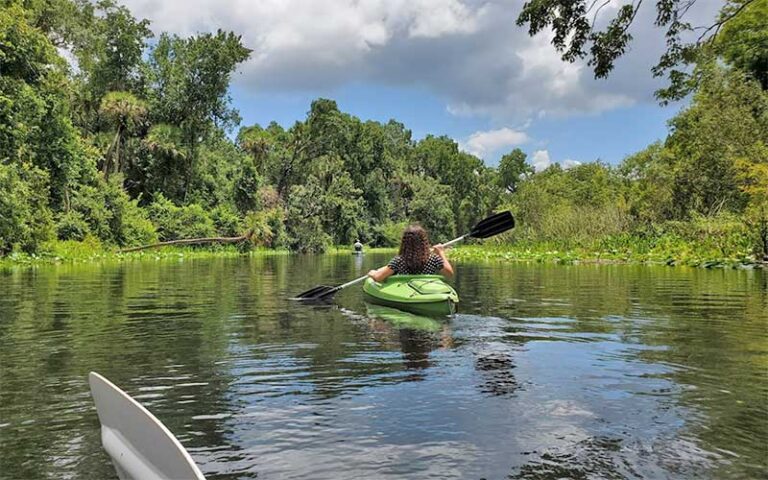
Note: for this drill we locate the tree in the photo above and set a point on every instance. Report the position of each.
(753, 174)
(440, 158)
(578, 33)
(35, 125)
(189, 81)
(430, 205)
(110, 57)
(512, 167)
(727, 120)
(304, 218)
(25, 219)
(125, 113)
(256, 142)
(743, 41)
(649, 180)
(157, 169)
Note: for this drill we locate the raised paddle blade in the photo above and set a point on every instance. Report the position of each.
(493, 225)
(320, 292)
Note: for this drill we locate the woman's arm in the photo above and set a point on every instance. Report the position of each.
(381, 274)
(447, 267)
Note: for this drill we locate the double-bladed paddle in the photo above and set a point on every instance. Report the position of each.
(493, 225)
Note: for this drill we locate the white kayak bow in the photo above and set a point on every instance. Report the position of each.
(140, 446)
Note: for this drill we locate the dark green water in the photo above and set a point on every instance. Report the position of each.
(547, 371)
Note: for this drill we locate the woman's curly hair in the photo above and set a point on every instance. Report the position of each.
(414, 248)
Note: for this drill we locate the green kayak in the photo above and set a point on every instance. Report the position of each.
(403, 320)
(422, 294)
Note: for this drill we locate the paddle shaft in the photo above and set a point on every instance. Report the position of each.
(455, 240)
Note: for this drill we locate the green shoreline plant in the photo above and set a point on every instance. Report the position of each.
(672, 253)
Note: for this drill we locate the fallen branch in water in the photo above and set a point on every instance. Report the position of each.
(191, 241)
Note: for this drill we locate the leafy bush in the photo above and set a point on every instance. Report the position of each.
(110, 214)
(135, 226)
(226, 221)
(25, 219)
(275, 218)
(723, 235)
(173, 222)
(72, 226)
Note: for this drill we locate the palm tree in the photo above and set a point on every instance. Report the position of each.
(164, 143)
(126, 113)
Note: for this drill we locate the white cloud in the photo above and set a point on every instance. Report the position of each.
(569, 163)
(435, 18)
(482, 144)
(540, 160)
(470, 53)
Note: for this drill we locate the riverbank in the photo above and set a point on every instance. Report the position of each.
(62, 252)
(688, 255)
(66, 252)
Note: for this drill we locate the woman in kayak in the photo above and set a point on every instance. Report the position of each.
(415, 257)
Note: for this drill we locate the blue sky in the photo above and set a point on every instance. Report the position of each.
(455, 67)
(608, 136)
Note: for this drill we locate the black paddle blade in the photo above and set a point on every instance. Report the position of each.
(317, 293)
(493, 225)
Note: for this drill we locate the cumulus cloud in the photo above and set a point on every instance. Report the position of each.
(540, 160)
(484, 143)
(468, 52)
(568, 163)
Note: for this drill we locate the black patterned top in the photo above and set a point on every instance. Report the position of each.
(433, 265)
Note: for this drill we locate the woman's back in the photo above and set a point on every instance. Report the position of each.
(433, 264)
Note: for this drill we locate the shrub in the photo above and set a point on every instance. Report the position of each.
(136, 228)
(226, 221)
(110, 214)
(72, 226)
(173, 222)
(25, 219)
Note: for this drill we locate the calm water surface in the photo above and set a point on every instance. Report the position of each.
(547, 372)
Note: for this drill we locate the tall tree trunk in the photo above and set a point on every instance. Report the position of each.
(108, 156)
(190, 162)
(117, 152)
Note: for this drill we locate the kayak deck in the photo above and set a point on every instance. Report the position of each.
(422, 294)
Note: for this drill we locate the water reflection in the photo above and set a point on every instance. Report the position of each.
(547, 372)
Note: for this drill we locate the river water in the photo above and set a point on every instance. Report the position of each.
(546, 372)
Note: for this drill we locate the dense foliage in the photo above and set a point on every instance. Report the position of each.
(127, 142)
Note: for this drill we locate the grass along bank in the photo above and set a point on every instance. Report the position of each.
(668, 252)
(91, 251)
(689, 255)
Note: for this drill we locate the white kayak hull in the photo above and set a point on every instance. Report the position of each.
(140, 446)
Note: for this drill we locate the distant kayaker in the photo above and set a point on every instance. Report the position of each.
(415, 257)
(358, 246)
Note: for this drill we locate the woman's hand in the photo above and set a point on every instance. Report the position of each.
(447, 270)
(381, 274)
